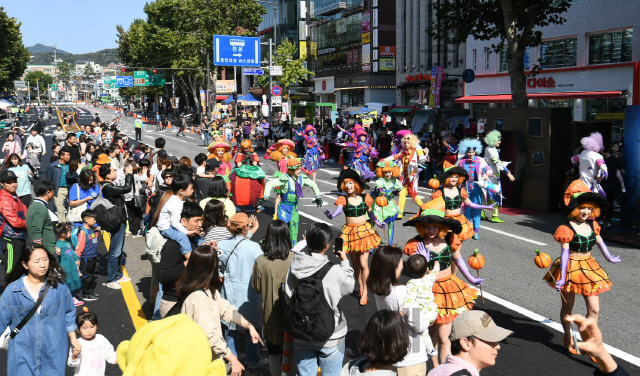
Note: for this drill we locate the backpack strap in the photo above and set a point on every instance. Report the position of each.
(320, 274)
(33, 310)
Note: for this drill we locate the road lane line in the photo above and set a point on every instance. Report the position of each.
(303, 214)
(556, 326)
(511, 235)
(133, 304)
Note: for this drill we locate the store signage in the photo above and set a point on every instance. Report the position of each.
(374, 21)
(326, 50)
(547, 82)
(366, 67)
(416, 77)
(324, 85)
(387, 51)
(387, 64)
(366, 38)
(225, 86)
(374, 37)
(366, 21)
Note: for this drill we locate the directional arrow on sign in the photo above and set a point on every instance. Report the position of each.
(238, 55)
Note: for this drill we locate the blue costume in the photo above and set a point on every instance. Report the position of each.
(475, 167)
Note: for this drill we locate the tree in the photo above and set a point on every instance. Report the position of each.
(293, 71)
(512, 23)
(179, 34)
(38, 78)
(14, 56)
(63, 72)
(88, 71)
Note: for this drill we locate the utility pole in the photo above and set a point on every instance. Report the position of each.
(270, 78)
(207, 96)
(38, 87)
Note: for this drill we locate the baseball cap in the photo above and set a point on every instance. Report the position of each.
(139, 116)
(212, 164)
(7, 175)
(478, 324)
(162, 154)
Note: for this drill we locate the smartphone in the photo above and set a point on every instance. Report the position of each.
(574, 336)
(338, 246)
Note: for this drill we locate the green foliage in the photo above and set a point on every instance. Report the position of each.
(102, 57)
(38, 78)
(293, 72)
(88, 71)
(14, 56)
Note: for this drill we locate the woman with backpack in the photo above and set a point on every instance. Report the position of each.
(269, 273)
(326, 345)
(198, 286)
(237, 259)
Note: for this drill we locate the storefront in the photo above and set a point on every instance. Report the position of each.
(356, 90)
(593, 93)
(415, 91)
(325, 89)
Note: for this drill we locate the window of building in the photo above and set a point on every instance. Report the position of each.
(487, 54)
(475, 59)
(559, 53)
(612, 47)
(504, 63)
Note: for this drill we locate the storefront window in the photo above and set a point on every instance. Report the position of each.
(555, 103)
(597, 106)
(611, 47)
(559, 53)
(504, 64)
(353, 98)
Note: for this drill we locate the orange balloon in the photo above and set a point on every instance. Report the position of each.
(476, 260)
(542, 259)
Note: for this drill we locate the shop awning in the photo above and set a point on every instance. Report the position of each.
(506, 98)
(403, 109)
(221, 97)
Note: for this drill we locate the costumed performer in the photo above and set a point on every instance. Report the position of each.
(454, 196)
(387, 186)
(590, 163)
(361, 152)
(478, 170)
(397, 140)
(576, 271)
(409, 158)
(279, 153)
(492, 186)
(358, 235)
(216, 136)
(313, 156)
(220, 150)
(247, 179)
(437, 240)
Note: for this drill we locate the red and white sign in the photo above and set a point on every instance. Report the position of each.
(535, 82)
(387, 51)
(324, 85)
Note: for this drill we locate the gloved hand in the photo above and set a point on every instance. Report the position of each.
(465, 272)
(422, 250)
(473, 205)
(318, 201)
(564, 263)
(261, 201)
(331, 215)
(606, 254)
(375, 220)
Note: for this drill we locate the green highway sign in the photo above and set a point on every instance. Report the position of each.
(146, 78)
(54, 87)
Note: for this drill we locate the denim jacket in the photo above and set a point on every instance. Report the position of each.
(41, 346)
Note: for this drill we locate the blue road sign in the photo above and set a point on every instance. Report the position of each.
(124, 81)
(253, 72)
(468, 75)
(236, 51)
(276, 90)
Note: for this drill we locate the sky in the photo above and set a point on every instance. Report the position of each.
(76, 26)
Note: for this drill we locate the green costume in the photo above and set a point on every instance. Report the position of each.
(290, 191)
(386, 188)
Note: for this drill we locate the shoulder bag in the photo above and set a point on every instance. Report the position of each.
(74, 214)
(223, 266)
(9, 334)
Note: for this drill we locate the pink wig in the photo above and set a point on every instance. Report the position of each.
(593, 142)
(402, 134)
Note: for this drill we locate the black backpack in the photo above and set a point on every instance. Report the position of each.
(178, 306)
(308, 313)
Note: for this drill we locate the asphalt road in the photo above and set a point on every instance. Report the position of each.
(515, 295)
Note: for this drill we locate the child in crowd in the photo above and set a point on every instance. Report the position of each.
(96, 349)
(87, 249)
(69, 260)
(169, 219)
(420, 295)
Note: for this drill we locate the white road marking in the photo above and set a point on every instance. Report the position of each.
(303, 214)
(556, 326)
(511, 235)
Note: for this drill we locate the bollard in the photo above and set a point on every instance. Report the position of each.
(287, 354)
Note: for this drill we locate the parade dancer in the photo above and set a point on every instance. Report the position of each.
(576, 272)
(397, 140)
(289, 188)
(590, 163)
(478, 171)
(247, 178)
(358, 235)
(387, 186)
(437, 240)
(313, 156)
(409, 158)
(361, 153)
(454, 196)
(280, 152)
(492, 185)
(220, 150)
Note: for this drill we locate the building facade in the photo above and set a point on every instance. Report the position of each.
(590, 64)
(47, 69)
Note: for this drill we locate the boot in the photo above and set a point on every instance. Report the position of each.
(494, 217)
(483, 216)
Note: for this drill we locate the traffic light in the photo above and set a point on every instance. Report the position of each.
(123, 70)
(235, 96)
(155, 71)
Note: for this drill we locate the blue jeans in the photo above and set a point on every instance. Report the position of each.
(180, 237)
(252, 348)
(205, 136)
(115, 253)
(473, 215)
(309, 358)
(156, 307)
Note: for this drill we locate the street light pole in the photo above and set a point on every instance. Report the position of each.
(38, 87)
(270, 79)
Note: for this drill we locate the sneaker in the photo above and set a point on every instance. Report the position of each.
(90, 297)
(113, 285)
(476, 236)
(77, 302)
(261, 363)
(124, 279)
(136, 236)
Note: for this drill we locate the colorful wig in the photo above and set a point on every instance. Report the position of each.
(414, 140)
(492, 138)
(460, 180)
(357, 187)
(401, 134)
(593, 142)
(442, 232)
(246, 146)
(277, 155)
(469, 144)
(226, 157)
(385, 166)
(595, 210)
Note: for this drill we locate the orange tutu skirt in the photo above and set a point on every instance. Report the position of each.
(361, 237)
(584, 276)
(453, 297)
(467, 227)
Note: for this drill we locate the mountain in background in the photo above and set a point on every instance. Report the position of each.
(42, 48)
(102, 57)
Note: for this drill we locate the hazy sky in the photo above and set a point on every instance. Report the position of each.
(76, 26)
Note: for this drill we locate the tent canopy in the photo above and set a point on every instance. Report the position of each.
(242, 98)
(363, 110)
